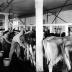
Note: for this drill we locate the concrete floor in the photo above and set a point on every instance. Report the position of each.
(17, 65)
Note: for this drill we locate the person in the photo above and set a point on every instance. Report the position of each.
(46, 32)
(57, 32)
(63, 34)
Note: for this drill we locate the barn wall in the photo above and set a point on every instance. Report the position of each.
(31, 20)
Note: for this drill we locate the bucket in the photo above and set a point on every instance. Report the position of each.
(6, 61)
(1, 53)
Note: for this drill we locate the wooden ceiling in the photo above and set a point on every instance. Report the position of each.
(23, 8)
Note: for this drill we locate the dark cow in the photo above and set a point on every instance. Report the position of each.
(6, 40)
(30, 39)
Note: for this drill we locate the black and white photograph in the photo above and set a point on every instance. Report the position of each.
(35, 35)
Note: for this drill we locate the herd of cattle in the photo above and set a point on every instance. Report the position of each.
(55, 49)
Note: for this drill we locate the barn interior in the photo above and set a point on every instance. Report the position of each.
(45, 18)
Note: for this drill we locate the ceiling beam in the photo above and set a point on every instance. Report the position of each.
(61, 9)
(8, 4)
(45, 9)
(61, 19)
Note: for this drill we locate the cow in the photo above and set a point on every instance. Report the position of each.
(68, 46)
(6, 40)
(55, 52)
(30, 39)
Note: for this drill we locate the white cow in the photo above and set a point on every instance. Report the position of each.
(51, 52)
(32, 54)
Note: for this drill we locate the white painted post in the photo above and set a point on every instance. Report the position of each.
(66, 30)
(30, 28)
(51, 29)
(6, 22)
(39, 35)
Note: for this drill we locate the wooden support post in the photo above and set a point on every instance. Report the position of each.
(39, 35)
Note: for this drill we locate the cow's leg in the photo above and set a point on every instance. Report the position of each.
(52, 63)
(31, 53)
(67, 51)
(12, 49)
(50, 67)
(57, 60)
(27, 52)
(18, 50)
(34, 58)
(67, 61)
(66, 58)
